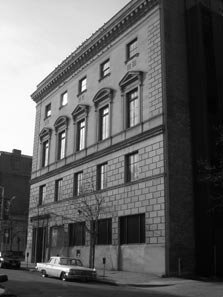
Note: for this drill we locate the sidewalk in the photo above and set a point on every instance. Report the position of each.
(126, 278)
(135, 279)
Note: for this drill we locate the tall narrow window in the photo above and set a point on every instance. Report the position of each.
(78, 186)
(61, 125)
(132, 167)
(63, 99)
(132, 108)
(80, 118)
(105, 69)
(104, 123)
(48, 110)
(76, 233)
(61, 145)
(131, 89)
(45, 153)
(58, 189)
(45, 136)
(132, 229)
(81, 135)
(42, 194)
(82, 85)
(132, 49)
(104, 231)
(102, 176)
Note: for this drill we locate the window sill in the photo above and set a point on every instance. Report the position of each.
(81, 93)
(103, 140)
(62, 106)
(47, 118)
(102, 78)
(130, 59)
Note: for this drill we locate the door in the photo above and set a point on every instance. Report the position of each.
(39, 244)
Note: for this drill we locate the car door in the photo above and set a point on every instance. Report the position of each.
(49, 267)
(57, 268)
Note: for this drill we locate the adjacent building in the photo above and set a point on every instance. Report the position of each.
(131, 109)
(15, 173)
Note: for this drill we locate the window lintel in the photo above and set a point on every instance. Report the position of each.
(81, 109)
(102, 94)
(130, 77)
(45, 133)
(61, 121)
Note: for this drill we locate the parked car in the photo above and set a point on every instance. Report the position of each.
(66, 268)
(10, 259)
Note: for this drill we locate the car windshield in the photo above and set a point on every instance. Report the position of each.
(67, 261)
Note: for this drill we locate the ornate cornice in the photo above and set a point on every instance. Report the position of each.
(121, 22)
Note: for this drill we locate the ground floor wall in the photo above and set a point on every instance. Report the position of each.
(142, 197)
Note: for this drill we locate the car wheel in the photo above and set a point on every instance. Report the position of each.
(63, 276)
(1, 265)
(43, 273)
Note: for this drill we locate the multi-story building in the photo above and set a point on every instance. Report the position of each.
(15, 174)
(129, 109)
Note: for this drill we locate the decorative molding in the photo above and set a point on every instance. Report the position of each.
(79, 110)
(113, 148)
(61, 121)
(45, 133)
(102, 94)
(101, 39)
(130, 77)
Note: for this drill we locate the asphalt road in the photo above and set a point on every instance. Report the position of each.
(24, 283)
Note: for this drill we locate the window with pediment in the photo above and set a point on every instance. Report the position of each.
(61, 126)
(45, 136)
(80, 115)
(103, 101)
(131, 90)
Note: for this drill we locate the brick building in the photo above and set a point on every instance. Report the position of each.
(128, 108)
(15, 173)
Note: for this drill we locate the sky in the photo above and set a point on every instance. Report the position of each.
(35, 37)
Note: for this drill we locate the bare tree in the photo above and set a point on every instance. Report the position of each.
(88, 207)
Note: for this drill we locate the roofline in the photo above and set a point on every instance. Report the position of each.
(12, 154)
(119, 23)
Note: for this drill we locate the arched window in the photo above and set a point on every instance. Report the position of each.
(80, 115)
(45, 136)
(102, 101)
(131, 89)
(61, 126)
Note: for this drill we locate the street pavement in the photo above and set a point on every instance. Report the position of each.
(143, 281)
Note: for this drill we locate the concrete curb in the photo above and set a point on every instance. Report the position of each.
(107, 281)
(149, 284)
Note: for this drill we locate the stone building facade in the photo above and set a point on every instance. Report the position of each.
(15, 173)
(117, 112)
